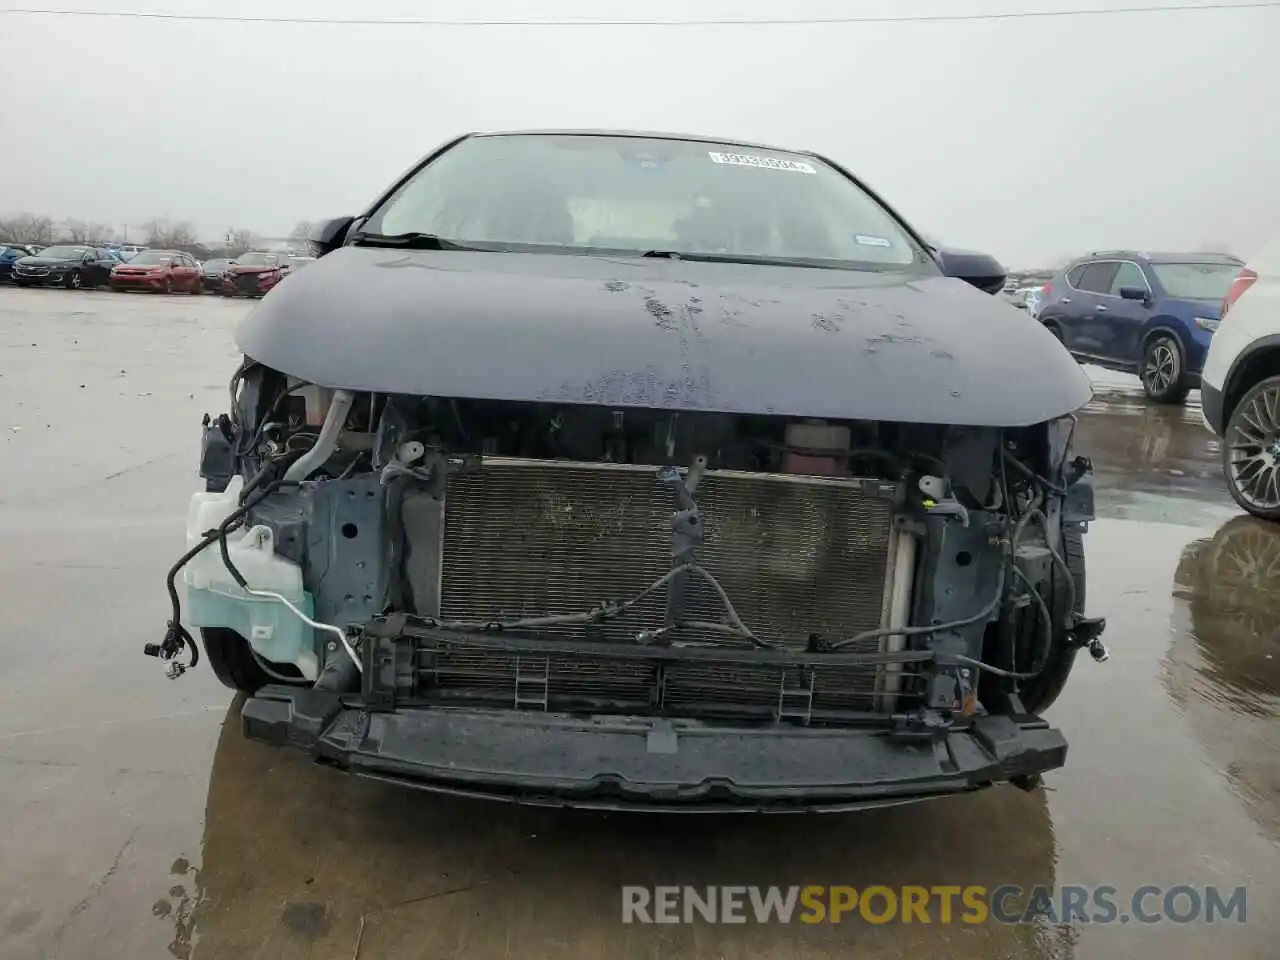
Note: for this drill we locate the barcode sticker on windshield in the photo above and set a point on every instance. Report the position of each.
(767, 163)
(869, 241)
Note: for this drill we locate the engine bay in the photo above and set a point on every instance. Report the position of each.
(909, 554)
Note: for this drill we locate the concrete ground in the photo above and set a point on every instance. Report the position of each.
(136, 822)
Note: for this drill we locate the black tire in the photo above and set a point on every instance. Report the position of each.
(168, 286)
(1239, 451)
(233, 662)
(1163, 370)
(1039, 693)
(74, 281)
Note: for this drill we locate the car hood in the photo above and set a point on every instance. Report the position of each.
(676, 335)
(250, 268)
(46, 262)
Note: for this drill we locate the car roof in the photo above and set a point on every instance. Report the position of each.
(1199, 257)
(638, 135)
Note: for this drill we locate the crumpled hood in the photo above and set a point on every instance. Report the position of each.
(674, 335)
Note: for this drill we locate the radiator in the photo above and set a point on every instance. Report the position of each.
(797, 556)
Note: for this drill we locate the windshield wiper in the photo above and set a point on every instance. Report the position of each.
(407, 241)
(732, 258)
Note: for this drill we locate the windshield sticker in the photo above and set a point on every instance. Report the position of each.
(767, 163)
(869, 241)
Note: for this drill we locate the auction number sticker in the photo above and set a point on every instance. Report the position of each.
(766, 163)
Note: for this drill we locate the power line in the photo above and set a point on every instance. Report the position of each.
(717, 22)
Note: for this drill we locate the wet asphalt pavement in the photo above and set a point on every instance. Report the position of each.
(135, 821)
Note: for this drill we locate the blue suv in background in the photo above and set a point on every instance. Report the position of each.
(1149, 314)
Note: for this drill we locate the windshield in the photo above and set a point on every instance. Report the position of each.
(152, 257)
(256, 259)
(64, 253)
(1196, 281)
(215, 264)
(573, 193)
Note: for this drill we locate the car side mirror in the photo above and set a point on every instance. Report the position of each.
(977, 269)
(1134, 293)
(331, 234)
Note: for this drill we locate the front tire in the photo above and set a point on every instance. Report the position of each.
(233, 662)
(1164, 370)
(74, 280)
(1039, 693)
(1251, 450)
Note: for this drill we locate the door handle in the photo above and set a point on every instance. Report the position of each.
(1066, 299)
(1100, 309)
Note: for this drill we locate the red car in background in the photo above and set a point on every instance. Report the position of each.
(253, 274)
(157, 271)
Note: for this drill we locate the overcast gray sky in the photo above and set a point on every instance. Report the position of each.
(1034, 139)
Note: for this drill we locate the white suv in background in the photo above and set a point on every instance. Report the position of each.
(1240, 386)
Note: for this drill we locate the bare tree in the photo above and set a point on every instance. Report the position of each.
(170, 235)
(100, 233)
(238, 241)
(75, 230)
(82, 231)
(26, 228)
(303, 230)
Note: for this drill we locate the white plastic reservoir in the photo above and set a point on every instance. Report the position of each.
(214, 599)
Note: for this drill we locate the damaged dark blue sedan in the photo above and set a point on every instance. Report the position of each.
(627, 470)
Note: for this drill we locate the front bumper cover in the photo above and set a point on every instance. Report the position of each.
(560, 760)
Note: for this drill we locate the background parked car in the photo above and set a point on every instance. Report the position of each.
(212, 273)
(1150, 314)
(158, 271)
(1034, 300)
(72, 265)
(253, 274)
(1240, 393)
(9, 254)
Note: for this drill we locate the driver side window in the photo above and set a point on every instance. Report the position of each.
(1128, 275)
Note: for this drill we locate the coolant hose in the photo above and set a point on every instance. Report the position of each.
(327, 442)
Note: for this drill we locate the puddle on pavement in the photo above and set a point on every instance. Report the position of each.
(297, 858)
(1223, 671)
(1151, 462)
